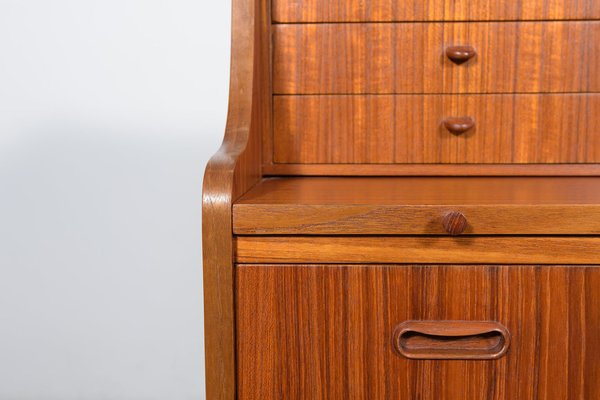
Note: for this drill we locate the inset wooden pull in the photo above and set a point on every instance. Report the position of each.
(451, 340)
(460, 54)
(459, 125)
(454, 222)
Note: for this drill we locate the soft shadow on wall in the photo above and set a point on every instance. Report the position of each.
(108, 114)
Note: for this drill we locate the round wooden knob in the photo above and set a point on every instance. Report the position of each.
(454, 222)
(459, 125)
(460, 54)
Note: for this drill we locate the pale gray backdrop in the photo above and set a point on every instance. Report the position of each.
(108, 112)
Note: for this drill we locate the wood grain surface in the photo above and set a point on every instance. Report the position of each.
(409, 129)
(432, 10)
(524, 57)
(270, 169)
(418, 250)
(317, 332)
(418, 205)
(424, 191)
(230, 172)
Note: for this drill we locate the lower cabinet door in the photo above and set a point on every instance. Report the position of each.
(418, 332)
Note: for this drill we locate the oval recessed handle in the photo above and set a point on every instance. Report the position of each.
(451, 340)
(454, 222)
(460, 54)
(459, 125)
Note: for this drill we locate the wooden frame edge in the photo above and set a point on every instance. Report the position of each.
(234, 169)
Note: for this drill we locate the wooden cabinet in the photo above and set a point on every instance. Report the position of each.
(406, 204)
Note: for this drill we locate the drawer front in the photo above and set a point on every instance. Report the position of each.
(508, 57)
(330, 332)
(432, 10)
(516, 250)
(388, 129)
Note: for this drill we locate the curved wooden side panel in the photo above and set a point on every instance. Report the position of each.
(234, 169)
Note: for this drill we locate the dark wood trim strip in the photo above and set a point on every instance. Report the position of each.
(432, 169)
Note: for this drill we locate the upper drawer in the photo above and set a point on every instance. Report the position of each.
(432, 10)
(524, 57)
(437, 129)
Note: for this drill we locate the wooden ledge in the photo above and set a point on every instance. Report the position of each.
(419, 205)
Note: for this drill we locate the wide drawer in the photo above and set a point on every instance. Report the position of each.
(423, 129)
(432, 10)
(420, 206)
(524, 57)
(331, 332)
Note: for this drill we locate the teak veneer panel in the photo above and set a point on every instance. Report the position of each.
(409, 129)
(416, 206)
(432, 10)
(421, 250)
(524, 57)
(317, 332)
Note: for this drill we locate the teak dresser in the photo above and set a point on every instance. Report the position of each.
(406, 204)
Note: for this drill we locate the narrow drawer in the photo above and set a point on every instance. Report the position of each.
(339, 332)
(507, 57)
(432, 10)
(437, 129)
(418, 249)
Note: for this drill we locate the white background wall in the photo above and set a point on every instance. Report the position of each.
(108, 112)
